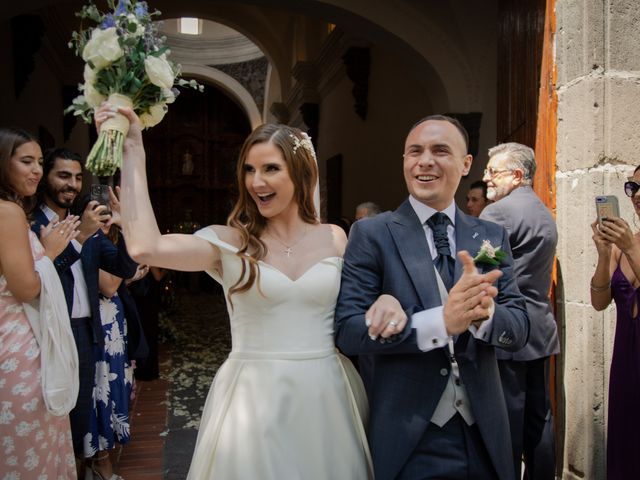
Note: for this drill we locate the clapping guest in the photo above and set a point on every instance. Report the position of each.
(109, 417)
(36, 444)
(77, 268)
(617, 277)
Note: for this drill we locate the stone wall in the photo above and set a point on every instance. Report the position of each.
(598, 60)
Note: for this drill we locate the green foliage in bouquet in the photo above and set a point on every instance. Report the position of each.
(126, 63)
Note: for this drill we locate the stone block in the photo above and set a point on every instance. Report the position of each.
(580, 124)
(575, 209)
(575, 212)
(623, 48)
(579, 38)
(622, 118)
(584, 426)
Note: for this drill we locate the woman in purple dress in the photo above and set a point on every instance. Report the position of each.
(617, 277)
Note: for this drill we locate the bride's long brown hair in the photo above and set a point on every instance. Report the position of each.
(299, 157)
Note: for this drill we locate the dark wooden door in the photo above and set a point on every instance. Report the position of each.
(191, 160)
(526, 85)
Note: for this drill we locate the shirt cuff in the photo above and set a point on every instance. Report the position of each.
(484, 332)
(77, 245)
(431, 332)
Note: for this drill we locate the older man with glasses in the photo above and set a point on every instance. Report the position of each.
(533, 237)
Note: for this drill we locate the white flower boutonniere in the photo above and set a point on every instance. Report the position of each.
(489, 254)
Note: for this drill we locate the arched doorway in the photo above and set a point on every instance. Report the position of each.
(191, 160)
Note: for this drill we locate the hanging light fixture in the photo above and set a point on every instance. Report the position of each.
(190, 26)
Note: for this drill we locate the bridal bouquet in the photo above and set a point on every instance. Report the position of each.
(126, 63)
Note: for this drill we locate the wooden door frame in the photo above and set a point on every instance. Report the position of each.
(545, 187)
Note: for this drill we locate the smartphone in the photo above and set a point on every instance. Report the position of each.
(100, 193)
(607, 207)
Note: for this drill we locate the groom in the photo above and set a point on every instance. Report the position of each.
(431, 321)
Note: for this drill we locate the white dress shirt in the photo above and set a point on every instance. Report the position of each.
(81, 306)
(431, 331)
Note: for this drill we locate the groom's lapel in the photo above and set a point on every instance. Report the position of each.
(409, 237)
(469, 235)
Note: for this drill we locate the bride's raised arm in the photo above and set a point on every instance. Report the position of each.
(145, 243)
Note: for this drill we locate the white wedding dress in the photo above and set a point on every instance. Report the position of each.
(284, 405)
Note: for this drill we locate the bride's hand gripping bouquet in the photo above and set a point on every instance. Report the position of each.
(127, 64)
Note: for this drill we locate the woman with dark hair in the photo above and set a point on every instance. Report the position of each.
(284, 404)
(109, 416)
(36, 443)
(617, 278)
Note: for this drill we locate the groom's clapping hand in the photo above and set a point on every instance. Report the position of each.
(471, 298)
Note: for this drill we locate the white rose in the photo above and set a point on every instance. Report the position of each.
(168, 95)
(89, 74)
(92, 96)
(159, 71)
(155, 115)
(131, 18)
(103, 48)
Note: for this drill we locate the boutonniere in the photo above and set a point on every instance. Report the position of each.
(489, 254)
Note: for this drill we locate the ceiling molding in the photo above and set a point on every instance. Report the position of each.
(213, 52)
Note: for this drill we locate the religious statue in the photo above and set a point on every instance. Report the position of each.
(187, 163)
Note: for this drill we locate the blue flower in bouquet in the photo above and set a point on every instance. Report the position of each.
(108, 22)
(121, 9)
(127, 64)
(141, 9)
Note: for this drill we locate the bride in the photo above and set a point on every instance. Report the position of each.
(284, 405)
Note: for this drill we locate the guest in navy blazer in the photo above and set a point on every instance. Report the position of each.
(78, 267)
(437, 408)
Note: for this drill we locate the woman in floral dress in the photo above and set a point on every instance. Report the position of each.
(114, 376)
(34, 443)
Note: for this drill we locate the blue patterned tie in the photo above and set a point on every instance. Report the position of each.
(444, 261)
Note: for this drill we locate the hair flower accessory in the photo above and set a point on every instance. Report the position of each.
(489, 254)
(304, 143)
(126, 63)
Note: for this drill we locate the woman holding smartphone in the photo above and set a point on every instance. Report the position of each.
(617, 277)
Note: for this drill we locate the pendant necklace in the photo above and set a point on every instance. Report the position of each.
(288, 249)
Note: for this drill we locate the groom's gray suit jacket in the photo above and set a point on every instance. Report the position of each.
(389, 254)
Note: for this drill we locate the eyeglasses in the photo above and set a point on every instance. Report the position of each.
(631, 188)
(492, 173)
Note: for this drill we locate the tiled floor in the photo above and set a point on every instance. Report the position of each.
(143, 459)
